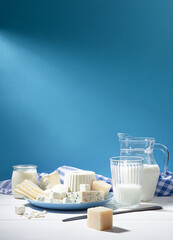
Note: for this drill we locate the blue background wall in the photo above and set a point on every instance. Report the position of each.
(73, 73)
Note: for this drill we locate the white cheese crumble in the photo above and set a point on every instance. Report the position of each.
(35, 214)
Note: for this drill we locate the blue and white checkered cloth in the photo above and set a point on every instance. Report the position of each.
(164, 185)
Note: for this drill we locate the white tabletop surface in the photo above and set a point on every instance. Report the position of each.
(140, 225)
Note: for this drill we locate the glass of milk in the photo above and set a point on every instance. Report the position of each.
(22, 172)
(127, 180)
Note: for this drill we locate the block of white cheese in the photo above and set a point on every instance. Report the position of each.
(85, 187)
(73, 179)
(100, 218)
(48, 200)
(59, 191)
(66, 200)
(54, 195)
(101, 186)
(60, 188)
(20, 209)
(29, 190)
(63, 195)
(86, 196)
(49, 180)
(47, 191)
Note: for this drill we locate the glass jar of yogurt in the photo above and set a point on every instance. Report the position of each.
(22, 172)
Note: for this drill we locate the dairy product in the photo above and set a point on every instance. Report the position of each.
(47, 191)
(35, 214)
(54, 195)
(101, 186)
(150, 176)
(57, 201)
(85, 187)
(59, 191)
(66, 200)
(60, 188)
(29, 189)
(20, 209)
(63, 195)
(48, 200)
(126, 180)
(100, 218)
(49, 181)
(149, 181)
(90, 196)
(127, 194)
(40, 198)
(20, 173)
(73, 179)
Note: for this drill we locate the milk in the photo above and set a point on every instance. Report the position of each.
(150, 176)
(127, 194)
(149, 181)
(20, 175)
(126, 180)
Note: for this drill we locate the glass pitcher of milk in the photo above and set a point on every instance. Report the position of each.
(143, 147)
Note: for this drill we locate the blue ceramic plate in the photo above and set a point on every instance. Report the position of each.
(70, 206)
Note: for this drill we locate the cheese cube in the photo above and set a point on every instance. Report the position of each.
(47, 191)
(101, 186)
(85, 187)
(60, 188)
(100, 218)
(66, 200)
(47, 200)
(54, 195)
(20, 209)
(63, 195)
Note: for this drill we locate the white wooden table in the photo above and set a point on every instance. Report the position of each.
(156, 225)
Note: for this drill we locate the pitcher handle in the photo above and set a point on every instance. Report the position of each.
(164, 149)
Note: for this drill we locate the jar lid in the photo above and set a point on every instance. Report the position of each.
(25, 166)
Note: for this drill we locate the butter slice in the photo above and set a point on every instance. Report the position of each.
(49, 181)
(99, 185)
(100, 218)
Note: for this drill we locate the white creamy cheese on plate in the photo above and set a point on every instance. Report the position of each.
(73, 179)
(85, 187)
